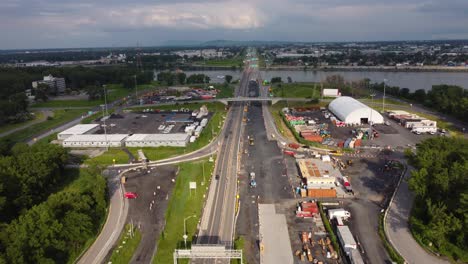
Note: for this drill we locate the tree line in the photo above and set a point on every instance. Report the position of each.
(15, 81)
(447, 99)
(440, 185)
(47, 213)
(172, 78)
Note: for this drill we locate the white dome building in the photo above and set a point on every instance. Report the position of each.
(351, 111)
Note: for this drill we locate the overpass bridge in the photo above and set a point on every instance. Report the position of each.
(273, 100)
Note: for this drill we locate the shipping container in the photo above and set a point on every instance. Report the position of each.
(294, 145)
(321, 193)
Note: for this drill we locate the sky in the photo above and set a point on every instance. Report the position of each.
(27, 24)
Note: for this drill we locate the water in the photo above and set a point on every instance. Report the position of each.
(410, 80)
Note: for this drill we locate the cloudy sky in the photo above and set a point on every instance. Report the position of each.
(97, 23)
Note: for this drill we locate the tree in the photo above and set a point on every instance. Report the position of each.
(95, 92)
(180, 76)
(405, 92)
(335, 81)
(289, 79)
(228, 78)
(41, 92)
(276, 80)
(419, 95)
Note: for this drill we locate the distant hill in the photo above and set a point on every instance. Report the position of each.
(220, 43)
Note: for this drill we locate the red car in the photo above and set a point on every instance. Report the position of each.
(130, 195)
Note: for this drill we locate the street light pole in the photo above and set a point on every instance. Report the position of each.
(136, 89)
(185, 230)
(105, 98)
(383, 100)
(104, 125)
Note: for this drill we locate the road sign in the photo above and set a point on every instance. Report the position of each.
(193, 185)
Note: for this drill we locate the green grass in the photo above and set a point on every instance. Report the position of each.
(7, 127)
(329, 229)
(297, 90)
(183, 204)
(211, 130)
(107, 157)
(239, 244)
(114, 92)
(126, 246)
(380, 100)
(390, 250)
(60, 117)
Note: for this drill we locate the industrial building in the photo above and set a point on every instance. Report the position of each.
(81, 129)
(312, 175)
(56, 85)
(95, 141)
(351, 111)
(157, 140)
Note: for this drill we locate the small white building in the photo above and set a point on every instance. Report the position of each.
(80, 129)
(351, 111)
(331, 92)
(157, 140)
(94, 141)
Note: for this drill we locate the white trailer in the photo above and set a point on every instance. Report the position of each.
(198, 131)
(424, 129)
(346, 239)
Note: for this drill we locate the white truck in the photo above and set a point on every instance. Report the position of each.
(338, 213)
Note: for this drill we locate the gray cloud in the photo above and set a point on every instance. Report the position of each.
(66, 23)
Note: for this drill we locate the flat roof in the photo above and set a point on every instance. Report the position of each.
(346, 235)
(96, 137)
(308, 168)
(79, 129)
(158, 137)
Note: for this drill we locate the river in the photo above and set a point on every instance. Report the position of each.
(410, 80)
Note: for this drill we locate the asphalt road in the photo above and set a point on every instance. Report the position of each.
(397, 229)
(217, 223)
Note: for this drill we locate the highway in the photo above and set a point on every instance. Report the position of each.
(217, 224)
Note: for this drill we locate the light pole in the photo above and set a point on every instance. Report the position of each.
(104, 125)
(105, 98)
(185, 230)
(383, 100)
(370, 121)
(136, 89)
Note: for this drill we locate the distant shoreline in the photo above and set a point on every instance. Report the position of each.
(337, 68)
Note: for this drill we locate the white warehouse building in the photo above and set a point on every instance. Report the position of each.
(351, 111)
(157, 140)
(95, 141)
(80, 129)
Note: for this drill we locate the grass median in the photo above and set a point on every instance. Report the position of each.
(125, 248)
(183, 204)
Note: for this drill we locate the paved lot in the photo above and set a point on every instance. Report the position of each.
(266, 160)
(147, 123)
(275, 237)
(150, 221)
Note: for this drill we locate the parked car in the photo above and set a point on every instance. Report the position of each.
(130, 195)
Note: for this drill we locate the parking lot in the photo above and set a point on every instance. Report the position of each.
(149, 122)
(153, 187)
